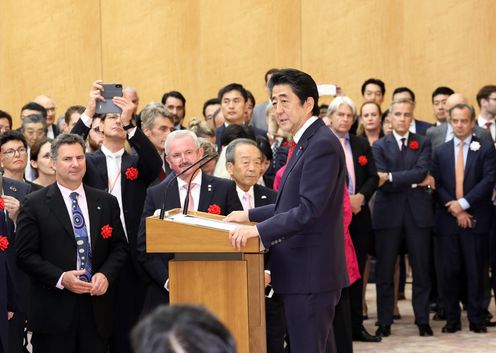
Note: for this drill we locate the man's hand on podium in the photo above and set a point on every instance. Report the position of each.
(237, 216)
(240, 235)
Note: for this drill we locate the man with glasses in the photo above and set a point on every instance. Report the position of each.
(486, 98)
(49, 104)
(14, 156)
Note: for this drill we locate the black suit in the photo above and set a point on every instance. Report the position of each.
(130, 292)
(46, 247)
(221, 192)
(20, 280)
(366, 182)
(7, 301)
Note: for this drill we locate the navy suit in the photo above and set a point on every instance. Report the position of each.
(464, 250)
(221, 192)
(130, 291)
(421, 127)
(403, 213)
(7, 301)
(304, 232)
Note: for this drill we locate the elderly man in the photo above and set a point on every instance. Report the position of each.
(403, 213)
(48, 103)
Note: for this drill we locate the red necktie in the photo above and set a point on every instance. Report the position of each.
(292, 146)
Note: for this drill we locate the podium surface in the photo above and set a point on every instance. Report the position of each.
(208, 271)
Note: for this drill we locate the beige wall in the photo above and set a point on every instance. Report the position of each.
(197, 46)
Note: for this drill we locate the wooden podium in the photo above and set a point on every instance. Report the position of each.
(207, 270)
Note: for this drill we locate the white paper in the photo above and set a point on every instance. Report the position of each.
(204, 222)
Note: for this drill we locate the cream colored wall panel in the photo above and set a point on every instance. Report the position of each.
(50, 47)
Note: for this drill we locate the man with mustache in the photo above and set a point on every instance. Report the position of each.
(182, 150)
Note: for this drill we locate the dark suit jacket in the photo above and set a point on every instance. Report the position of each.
(7, 299)
(366, 181)
(478, 183)
(221, 192)
(46, 247)
(18, 190)
(392, 198)
(146, 161)
(303, 230)
(220, 129)
(437, 134)
(421, 127)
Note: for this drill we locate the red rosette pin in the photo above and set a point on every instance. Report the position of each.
(214, 209)
(4, 243)
(131, 173)
(362, 160)
(414, 145)
(106, 231)
(2, 203)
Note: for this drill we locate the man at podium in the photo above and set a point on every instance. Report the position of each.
(183, 150)
(303, 230)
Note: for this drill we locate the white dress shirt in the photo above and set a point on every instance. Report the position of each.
(482, 123)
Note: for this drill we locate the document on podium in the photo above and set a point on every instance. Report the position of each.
(203, 221)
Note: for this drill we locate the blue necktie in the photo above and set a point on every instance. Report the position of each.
(82, 241)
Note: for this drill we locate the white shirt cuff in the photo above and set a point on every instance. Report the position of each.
(166, 285)
(464, 203)
(86, 120)
(390, 177)
(59, 282)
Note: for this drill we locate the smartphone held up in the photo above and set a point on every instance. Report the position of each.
(110, 90)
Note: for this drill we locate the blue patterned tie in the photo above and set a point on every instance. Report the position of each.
(82, 241)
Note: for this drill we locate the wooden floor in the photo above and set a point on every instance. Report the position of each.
(404, 334)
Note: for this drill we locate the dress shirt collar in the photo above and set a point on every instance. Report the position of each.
(398, 137)
(466, 142)
(346, 136)
(197, 180)
(113, 155)
(303, 128)
(413, 127)
(66, 192)
(481, 121)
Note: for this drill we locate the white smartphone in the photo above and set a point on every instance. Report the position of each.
(326, 90)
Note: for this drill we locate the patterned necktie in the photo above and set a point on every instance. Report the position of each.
(459, 172)
(82, 241)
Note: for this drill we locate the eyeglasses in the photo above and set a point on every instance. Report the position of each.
(12, 152)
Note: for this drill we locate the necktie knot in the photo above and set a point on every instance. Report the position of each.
(488, 125)
(403, 141)
(74, 195)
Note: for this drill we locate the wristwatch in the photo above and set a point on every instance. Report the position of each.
(129, 126)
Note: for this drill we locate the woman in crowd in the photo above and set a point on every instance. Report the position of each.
(40, 162)
(201, 129)
(370, 122)
(210, 149)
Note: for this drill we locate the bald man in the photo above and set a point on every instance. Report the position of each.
(48, 103)
(444, 132)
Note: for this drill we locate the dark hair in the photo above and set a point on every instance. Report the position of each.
(232, 87)
(71, 110)
(301, 83)
(65, 139)
(36, 107)
(5, 115)
(269, 72)
(264, 146)
(186, 328)
(446, 91)
(384, 114)
(235, 131)
(374, 81)
(174, 94)
(12, 135)
(462, 106)
(404, 89)
(231, 148)
(211, 101)
(250, 97)
(35, 149)
(34, 119)
(484, 93)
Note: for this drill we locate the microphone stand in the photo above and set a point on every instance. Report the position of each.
(162, 209)
(186, 200)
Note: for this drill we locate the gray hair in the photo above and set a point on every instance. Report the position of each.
(400, 101)
(231, 148)
(462, 106)
(34, 119)
(151, 111)
(65, 139)
(178, 134)
(208, 147)
(338, 101)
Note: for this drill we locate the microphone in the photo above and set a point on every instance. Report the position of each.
(162, 209)
(186, 200)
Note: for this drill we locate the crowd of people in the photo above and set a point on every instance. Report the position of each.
(74, 270)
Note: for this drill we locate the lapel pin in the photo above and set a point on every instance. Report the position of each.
(209, 187)
(13, 188)
(263, 197)
(98, 208)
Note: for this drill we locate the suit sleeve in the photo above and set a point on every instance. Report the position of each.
(27, 243)
(155, 265)
(150, 162)
(442, 195)
(81, 129)
(119, 248)
(371, 183)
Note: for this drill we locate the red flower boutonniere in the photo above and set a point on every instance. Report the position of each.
(4, 243)
(2, 204)
(284, 144)
(106, 231)
(414, 145)
(214, 209)
(362, 160)
(131, 173)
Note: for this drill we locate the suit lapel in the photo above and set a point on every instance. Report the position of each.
(56, 204)
(94, 211)
(471, 156)
(101, 167)
(126, 162)
(172, 200)
(206, 193)
(9, 190)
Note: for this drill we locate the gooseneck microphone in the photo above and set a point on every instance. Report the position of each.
(186, 200)
(162, 209)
